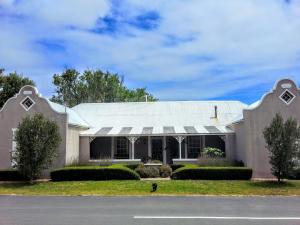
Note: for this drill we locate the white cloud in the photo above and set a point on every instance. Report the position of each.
(197, 43)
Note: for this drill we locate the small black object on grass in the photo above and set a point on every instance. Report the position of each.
(154, 187)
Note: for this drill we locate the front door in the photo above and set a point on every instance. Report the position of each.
(157, 145)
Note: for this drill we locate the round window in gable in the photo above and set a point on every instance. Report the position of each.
(287, 97)
(27, 103)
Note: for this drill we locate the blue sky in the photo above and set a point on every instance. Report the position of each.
(178, 50)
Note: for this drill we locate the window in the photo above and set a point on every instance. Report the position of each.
(287, 97)
(13, 147)
(193, 146)
(27, 103)
(122, 148)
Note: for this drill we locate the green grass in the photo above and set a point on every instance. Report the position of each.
(171, 187)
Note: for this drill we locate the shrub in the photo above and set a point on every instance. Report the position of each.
(165, 171)
(212, 173)
(213, 152)
(132, 166)
(282, 142)
(295, 174)
(11, 175)
(105, 162)
(213, 161)
(147, 171)
(176, 166)
(37, 140)
(239, 163)
(115, 172)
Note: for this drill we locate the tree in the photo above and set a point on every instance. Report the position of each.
(37, 140)
(282, 139)
(73, 88)
(11, 84)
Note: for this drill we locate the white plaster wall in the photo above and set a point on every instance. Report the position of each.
(72, 148)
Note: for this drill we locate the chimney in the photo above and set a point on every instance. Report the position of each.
(216, 111)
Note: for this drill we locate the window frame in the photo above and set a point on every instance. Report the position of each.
(283, 93)
(194, 146)
(122, 148)
(24, 106)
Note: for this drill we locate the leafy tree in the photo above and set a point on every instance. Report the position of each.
(11, 84)
(282, 139)
(37, 140)
(73, 88)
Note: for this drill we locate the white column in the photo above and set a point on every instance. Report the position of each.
(203, 142)
(179, 139)
(112, 151)
(185, 150)
(164, 150)
(228, 154)
(132, 141)
(149, 147)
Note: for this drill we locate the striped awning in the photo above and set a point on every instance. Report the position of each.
(152, 131)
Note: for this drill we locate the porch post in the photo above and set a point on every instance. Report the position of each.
(132, 141)
(185, 149)
(179, 139)
(203, 142)
(149, 147)
(164, 150)
(112, 151)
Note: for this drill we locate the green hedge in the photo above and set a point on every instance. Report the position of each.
(176, 166)
(212, 173)
(295, 175)
(131, 166)
(11, 175)
(113, 172)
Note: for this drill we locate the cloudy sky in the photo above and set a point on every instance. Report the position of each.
(179, 49)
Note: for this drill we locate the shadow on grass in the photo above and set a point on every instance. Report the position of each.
(271, 184)
(16, 185)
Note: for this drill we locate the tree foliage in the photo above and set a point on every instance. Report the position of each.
(282, 139)
(37, 140)
(73, 88)
(10, 84)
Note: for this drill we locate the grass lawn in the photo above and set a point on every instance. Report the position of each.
(168, 187)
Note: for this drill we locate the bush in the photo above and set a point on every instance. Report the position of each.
(105, 162)
(213, 161)
(132, 166)
(213, 152)
(212, 173)
(295, 174)
(115, 172)
(165, 171)
(11, 175)
(176, 166)
(38, 139)
(147, 171)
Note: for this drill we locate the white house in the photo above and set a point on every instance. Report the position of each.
(169, 131)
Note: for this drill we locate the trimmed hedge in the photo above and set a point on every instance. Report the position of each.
(295, 175)
(131, 166)
(176, 166)
(94, 173)
(212, 173)
(11, 175)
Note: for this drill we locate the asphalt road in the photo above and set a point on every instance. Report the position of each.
(16, 210)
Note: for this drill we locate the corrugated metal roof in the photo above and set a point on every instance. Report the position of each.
(159, 117)
(74, 118)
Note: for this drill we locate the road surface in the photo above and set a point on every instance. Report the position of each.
(17, 210)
